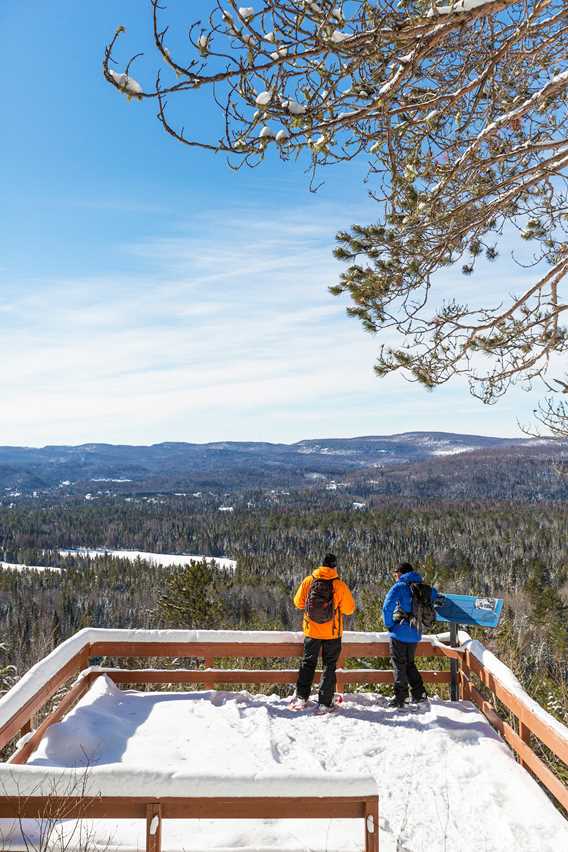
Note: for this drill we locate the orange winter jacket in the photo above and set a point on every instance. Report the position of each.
(343, 604)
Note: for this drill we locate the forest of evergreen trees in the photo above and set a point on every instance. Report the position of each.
(502, 549)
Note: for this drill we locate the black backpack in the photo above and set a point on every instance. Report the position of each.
(319, 605)
(423, 611)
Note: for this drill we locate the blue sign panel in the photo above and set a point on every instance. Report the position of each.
(467, 609)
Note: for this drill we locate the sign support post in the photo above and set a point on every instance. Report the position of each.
(454, 693)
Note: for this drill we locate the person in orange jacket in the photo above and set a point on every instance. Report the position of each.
(325, 599)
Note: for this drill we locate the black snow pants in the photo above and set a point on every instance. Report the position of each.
(405, 671)
(330, 650)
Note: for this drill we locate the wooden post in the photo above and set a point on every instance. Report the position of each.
(372, 826)
(27, 727)
(465, 691)
(84, 658)
(153, 827)
(454, 694)
(209, 663)
(525, 735)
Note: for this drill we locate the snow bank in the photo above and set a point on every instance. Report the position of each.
(177, 783)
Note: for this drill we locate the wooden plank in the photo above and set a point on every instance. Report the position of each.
(208, 650)
(487, 709)
(13, 726)
(153, 827)
(248, 807)
(204, 676)
(372, 825)
(27, 728)
(524, 714)
(525, 735)
(67, 702)
(200, 650)
(449, 652)
(213, 676)
(465, 685)
(531, 761)
(425, 648)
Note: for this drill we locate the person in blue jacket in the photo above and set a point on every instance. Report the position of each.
(404, 637)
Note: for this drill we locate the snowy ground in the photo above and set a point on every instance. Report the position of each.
(445, 780)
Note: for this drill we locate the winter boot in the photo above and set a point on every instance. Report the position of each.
(324, 709)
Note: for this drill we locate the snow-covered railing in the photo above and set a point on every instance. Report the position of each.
(48, 793)
(531, 719)
(154, 795)
(34, 690)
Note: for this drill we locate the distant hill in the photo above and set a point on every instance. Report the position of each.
(237, 465)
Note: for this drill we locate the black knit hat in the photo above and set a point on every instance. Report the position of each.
(404, 568)
(329, 560)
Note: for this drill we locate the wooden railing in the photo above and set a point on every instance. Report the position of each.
(231, 806)
(527, 722)
(531, 719)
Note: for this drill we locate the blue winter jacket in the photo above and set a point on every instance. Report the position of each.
(400, 594)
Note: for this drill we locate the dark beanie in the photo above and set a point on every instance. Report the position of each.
(404, 568)
(329, 560)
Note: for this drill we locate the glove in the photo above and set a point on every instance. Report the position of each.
(400, 615)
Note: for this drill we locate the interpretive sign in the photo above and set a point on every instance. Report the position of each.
(469, 609)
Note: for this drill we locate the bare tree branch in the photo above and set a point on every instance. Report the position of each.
(461, 111)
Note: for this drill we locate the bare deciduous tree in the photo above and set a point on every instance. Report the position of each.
(461, 110)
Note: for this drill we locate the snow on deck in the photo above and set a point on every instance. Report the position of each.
(445, 779)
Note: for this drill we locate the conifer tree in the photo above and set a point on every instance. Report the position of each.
(192, 598)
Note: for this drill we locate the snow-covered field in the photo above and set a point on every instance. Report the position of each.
(166, 560)
(452, 451)
(445, 779)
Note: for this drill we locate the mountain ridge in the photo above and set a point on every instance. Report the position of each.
(456, 436)
(169, 467)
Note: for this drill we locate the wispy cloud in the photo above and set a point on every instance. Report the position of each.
(228, 333)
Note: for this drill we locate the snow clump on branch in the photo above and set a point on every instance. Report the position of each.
(129, 85)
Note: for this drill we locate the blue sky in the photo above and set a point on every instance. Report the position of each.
(148, 293)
